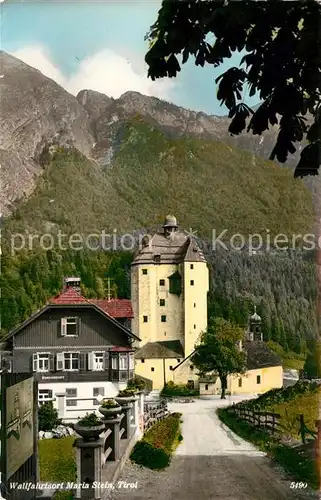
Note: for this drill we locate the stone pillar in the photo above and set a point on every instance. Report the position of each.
(61, 404)
(113, 439)
(126, 421)
(88, 458)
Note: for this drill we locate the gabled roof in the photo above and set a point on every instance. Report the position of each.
(173, 249)
(54, 305)
(117, 308)
(160, 350)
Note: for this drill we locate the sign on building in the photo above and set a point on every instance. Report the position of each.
(18, 433)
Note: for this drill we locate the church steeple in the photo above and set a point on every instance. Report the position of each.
(170, 225)
(255, 326)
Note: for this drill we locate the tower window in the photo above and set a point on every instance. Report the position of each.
(162, 302)
(240, 382)
(144, 271)
(161, 282)
(152, 369)
(258, 379)
(206, 387)
(145, 319)
(192, 266)
(194, 327)
(192, 282)
(163, 318)
(157, 258)
(142, 360)
(194, 304)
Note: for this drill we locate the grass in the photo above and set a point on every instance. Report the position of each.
(300, 467)
(57, 463)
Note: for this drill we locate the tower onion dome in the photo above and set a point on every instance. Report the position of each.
(255, 316)
(170, 222)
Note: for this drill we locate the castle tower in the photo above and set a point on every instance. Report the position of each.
(169, 286)
(255, 327)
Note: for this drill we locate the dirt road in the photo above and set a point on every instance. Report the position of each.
(211, 463)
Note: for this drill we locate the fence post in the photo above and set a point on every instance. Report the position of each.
(302, 428)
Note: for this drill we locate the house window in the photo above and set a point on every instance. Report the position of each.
(71, 402)
(162, 302)
(44, 395)
(152, 369)
(114, 362)
(175, 283)
(157, 258)
(194, 304)
(71, 393)
(98, 364)
(206, 387)
(192, 367)
(192, 282)
(144, 271)
(41, 362)
(69, 327)
(98, 391)
(161, 282)
(192, 266)
(170, 367)
(142, 360)
(178, 361)
(258, 379)
(145, 319)
(71, 361)
(240, 382)
(194, 327)
(163, 318)
(123, 362)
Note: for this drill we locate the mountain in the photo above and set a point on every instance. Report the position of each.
(85, 162)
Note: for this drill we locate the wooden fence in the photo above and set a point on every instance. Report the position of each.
(154, 412)
(271, 422)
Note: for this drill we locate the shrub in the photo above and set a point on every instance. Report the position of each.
(126, 393)
(48, 417)
(171, 389)
(147, 455)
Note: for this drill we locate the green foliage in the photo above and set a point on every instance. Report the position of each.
(218, 350)
(312, 365)
(156, 447)
(109, 403)
(57, 463)
(90, 420)
(171, 389)
(136, 383)
(147, 455)
(126, 393)
(48, 417)
(281, 63)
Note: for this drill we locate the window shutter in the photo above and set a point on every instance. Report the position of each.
(63, 326)
(51, 362)
(106, 360)
(82, 361)
(60, 361)
(78, 325)
(34, 362)
(90, 361)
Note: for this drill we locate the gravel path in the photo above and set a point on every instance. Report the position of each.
(211, 463)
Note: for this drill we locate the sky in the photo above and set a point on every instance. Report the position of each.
(99, 45)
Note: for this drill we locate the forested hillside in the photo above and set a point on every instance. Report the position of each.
(282, 286)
